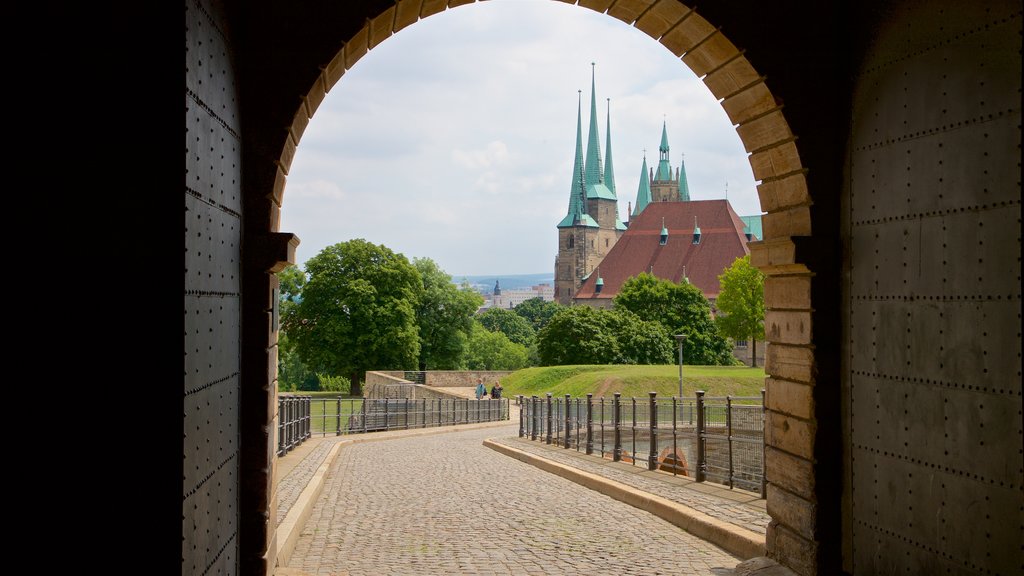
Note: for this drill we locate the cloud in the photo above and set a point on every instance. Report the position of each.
(494, 154)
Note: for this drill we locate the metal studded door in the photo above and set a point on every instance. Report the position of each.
(209, 523)
(932, 292)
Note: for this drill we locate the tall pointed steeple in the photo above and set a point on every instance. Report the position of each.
(684, 187)
(594, 173)
(609, 170)
(577, 197)
(643, 192)
(664, 166)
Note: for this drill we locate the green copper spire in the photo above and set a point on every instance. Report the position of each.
(609, 171)
(643, 192)
(576, 195)
(684, 187)
(664, 171)
(594, 181)
(594, 173)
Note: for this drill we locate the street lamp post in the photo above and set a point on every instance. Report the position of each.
(680, 338)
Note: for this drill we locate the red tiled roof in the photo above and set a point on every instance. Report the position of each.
(639, 250)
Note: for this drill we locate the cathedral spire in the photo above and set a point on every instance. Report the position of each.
(577, 196)
(593, 164)
(609, 171)
(684, 187)
(643, 192)
(664, 166)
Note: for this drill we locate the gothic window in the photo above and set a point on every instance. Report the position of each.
(571, 243)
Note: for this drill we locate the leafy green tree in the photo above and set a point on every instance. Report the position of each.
(291, 279)
(639, 341)
(445, 317)
(357, 312)
(577, 335)
(741, 303)
(681, 309)
(537, 311)
(512, 325)
(487, 350)
(292, 373)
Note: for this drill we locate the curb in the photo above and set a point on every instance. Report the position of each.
(735, 540)
(288, 530)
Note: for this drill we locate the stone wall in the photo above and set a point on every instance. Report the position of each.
(463, 378)
(387, 384)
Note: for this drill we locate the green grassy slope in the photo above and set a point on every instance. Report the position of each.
(635, 380)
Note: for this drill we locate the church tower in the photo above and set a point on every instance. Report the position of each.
(660, 186)
(664, 188)
(592, 225)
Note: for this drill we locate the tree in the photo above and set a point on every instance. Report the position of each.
(741, 303)
(681, 309)
(487, 350)
(639, 341)
(357, 312)
(537, 311)
(445, 317)
(577, 335)
(512, 325)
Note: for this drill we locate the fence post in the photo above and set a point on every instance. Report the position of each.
(764, 472)
(728, 433)
(363, 410)
(547, 437)
(288, 424)
(700, 436)
(652, 456)
(387, 421)
(616, 419)
(519, 400)
(567, 402)
(280, 425)
(337, 431)
(533, 417)
(590, 423)
(307, 405)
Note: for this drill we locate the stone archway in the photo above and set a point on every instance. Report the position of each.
(783, 192)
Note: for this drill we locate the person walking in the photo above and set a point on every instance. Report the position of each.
(481, 390)
(496, 390)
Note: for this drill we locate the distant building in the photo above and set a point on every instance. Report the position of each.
(693, 240)
(512, 298)
(668, 234)
(592, 225)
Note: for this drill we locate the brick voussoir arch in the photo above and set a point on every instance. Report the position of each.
(775, 162)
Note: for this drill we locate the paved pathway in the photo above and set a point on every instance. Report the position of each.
(738, 507)
(444, 504)
(298, 476)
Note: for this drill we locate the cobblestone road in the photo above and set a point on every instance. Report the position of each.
(445, 504)
(739, 513)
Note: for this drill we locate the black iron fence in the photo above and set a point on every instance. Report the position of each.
(707, 438)
(293, 421)
(303, 416)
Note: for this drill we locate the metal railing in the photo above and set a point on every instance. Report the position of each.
(722, 436)
(303, 416)
(293, 422)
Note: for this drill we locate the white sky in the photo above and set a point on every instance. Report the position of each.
(454, 139)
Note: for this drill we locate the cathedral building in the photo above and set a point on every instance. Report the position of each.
(591, 227)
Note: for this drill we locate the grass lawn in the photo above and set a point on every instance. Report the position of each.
(635, 380)
(325, 404)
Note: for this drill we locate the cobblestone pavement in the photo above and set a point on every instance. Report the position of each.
(292, 485)
(445, 504)
(745, 512)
